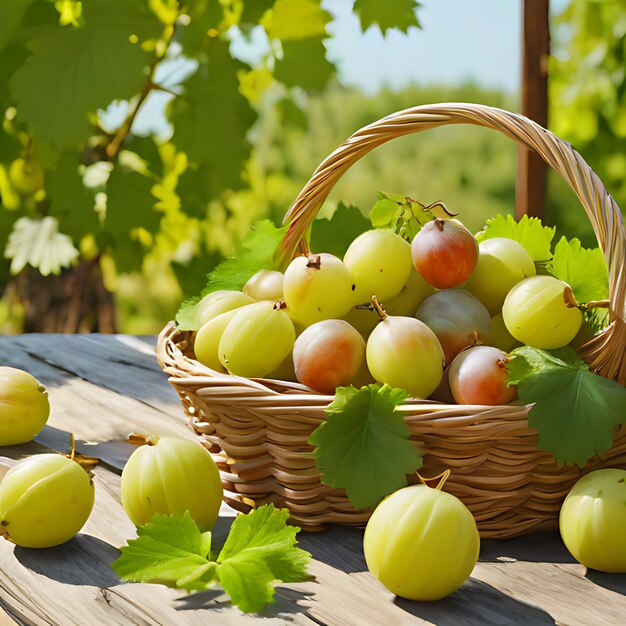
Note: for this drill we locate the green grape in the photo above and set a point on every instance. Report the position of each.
(207, 340)
(44, 501)
(421, 543)
(415, 290)
(502, 263)
(219, 302)
(256, 340)
(403, 352)
(170, 477)
(317, 287)
(24, 406)
(536, 312)
(265, 285)
(500, 336)
(26, 177)
(380, 263)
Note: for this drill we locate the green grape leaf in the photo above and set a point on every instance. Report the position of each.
(192, 274)
(364, 445)
(291, 114)
(169, 549)
(253, 11)
(204, 15)
(82, 69)
(304, 64)
(529, 232)
(584, 270)
(260, 549)
(296, 19)
(257, 251)
(259, 552)
(70, 201)
(335, 233)
(212, 118)
(197, 186)
(575, 412)
(40, 244)
(400, 14)
(130, 203)
(403, 214)
(11, 14)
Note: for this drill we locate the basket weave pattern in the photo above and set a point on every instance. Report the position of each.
(257, 430)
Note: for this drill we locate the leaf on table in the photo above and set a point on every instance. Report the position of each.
(296, 19)
(584, 270)
(40, 244)
(575, 412)
(260, 549)
(400, 14)
(170, 549)
(364, 446)
(212, 117)
(259, 552)
(529, 232)
(335, 233)
(257, 251)
(304, 64)
(82, 69)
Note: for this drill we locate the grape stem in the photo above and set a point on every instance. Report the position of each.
(379, 309)
(139, 439)
(443, 477)
(571, 303)
(439, 223)
(596, 304)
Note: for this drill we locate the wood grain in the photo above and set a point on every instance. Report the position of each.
(104, 387)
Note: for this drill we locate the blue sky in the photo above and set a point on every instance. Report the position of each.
(461, 40)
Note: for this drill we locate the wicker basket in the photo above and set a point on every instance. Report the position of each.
(258, 429)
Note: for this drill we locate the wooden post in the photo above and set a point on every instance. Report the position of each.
(531, 169)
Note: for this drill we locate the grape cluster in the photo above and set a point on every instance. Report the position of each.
(435, 317)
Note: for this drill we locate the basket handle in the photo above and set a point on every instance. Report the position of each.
(601, 209)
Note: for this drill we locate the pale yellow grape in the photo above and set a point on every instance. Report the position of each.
(502, 263)
(380, 263)
(500, 336)
(219, 302)
(403, 352)
(593, 518)
(45, 500)
(171, 477)
(256, 340)
(415, 290)
(535, 312)
(421, 543)
(207, 341)
(265, 285)
(317, 287)
(24, 406)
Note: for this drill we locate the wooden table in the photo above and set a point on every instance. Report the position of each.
(104, 387)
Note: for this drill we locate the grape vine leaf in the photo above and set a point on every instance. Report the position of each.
(204, 15)
(260, 551)
(82, 69)
(335, 233)
(400, 14)
(212, 118)
(364, 446)
(70, 201)
(304, 64)
(575, 412)
(403, 214)
(529, 232)
(40, 244)
(253, 11)
(130, 203)
(583, 269)
(296, 19)
(257, 251)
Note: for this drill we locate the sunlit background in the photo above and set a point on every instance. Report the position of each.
(463, 51)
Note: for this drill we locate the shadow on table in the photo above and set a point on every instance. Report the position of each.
(477, 604)
(287, 603)
(612, 582)
(544, 547)
(84, 560)
(340, 547)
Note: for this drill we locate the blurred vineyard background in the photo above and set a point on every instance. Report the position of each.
(140, 139)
